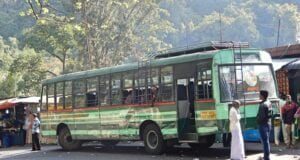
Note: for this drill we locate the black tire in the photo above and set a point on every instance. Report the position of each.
(109, 143)
(65, 140)
(153, 140)
(206, 142)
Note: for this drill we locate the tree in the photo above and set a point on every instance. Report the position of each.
(28, 62)
(56, 39)
(55, 30)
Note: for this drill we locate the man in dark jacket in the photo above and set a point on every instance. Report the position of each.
(288, 111)
(264, 122)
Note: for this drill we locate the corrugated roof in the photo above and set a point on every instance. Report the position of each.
(285, 51)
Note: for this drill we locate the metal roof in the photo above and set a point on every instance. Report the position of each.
(200, 47)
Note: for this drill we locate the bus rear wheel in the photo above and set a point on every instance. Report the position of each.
(153, 140)
(206, 142)
(65, 140)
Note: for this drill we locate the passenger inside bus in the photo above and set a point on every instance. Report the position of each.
(154, 93)
(92, 99)
(127, 96)
(139, 96)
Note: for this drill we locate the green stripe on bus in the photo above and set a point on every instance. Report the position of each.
(205, 130)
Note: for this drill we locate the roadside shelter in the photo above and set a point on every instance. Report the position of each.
(15, 119)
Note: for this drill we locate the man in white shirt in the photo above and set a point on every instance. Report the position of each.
(237, 151)
(35, 133)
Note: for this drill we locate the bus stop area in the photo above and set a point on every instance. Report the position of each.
(125, 151)
(15, 120)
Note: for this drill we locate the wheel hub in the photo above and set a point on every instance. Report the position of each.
(152, 139)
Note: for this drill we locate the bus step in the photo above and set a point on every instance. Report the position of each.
(188, 141)
(189, 137)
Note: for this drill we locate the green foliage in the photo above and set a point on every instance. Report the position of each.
(28, 62)
(254, 21)
(21, 70)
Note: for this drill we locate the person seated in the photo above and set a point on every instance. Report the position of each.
(154, 92)
(128, 99)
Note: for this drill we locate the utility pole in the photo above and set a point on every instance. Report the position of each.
(278, 32)
(220, 18)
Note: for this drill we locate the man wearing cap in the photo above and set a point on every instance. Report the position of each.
(237, 151)
(35, 133)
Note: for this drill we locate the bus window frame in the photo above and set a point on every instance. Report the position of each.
(73, 93)
(161, 85)
(72, 103)
(124, 99)
(63, 95)
(119, 76)
(44, 89)
(96, 80)
(106, 78)
(54, 96)
(232, 64)
(206, 66)
(150, 84)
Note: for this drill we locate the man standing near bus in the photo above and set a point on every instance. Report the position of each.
(35, 133)
(237, 150)
(288, 111)
(264, 122)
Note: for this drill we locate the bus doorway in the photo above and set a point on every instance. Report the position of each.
(185, 110)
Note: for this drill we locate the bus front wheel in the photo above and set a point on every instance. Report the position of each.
(65, 140)
(153, 139)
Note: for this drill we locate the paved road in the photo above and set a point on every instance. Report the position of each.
(136, 151)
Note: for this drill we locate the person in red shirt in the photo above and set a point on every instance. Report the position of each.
(288, 111)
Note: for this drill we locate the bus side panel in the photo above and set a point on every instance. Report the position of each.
(46, 126)
(53, 119)
(86, 122)
(163, 114)
(223, 117)
(123, 122)
(205, 117)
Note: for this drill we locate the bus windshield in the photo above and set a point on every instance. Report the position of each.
(247, 83)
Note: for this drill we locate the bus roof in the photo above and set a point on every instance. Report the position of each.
(134, 66)
(200, 47)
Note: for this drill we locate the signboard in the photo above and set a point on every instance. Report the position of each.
(208, 115)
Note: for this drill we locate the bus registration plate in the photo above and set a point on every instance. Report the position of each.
(208, 115)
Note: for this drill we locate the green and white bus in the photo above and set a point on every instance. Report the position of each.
(177, 97)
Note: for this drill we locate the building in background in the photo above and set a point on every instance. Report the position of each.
(286, 63)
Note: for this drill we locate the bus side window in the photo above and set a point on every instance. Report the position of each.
(104, 90)
(79, 93)
(92, 93)
(204, 85)
(166, 90)
(139, 87)
(116, 89)
(68, 95)
(153, 83)
(60, 95)
(50, 97)
(127, 94)
(44, 100)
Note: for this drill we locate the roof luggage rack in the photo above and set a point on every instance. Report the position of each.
(199, 47)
